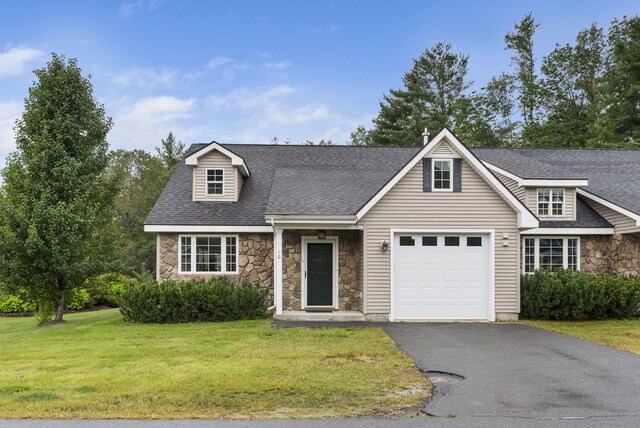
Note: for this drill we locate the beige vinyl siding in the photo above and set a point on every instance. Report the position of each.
(215, 159)
(406, 206)
(512, 185)
(442, 149)
(621, 222)
(239, 184)
(531, 201)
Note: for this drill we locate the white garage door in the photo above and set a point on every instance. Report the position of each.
(441, 276)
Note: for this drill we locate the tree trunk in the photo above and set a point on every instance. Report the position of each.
(60, 306)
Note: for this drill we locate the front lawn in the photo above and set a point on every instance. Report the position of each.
(98, 366)
(624, 335)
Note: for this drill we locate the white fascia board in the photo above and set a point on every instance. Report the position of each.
(204, 229)
(610, 205)
(540, 182)
(526, 219)
(537, 182)
(569, 231)
(332, 226)
(236, 160)
(310, 219)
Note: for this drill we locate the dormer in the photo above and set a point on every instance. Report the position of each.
(218, 173)
(549, 199)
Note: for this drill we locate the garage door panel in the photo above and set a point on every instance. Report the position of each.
(441, 282)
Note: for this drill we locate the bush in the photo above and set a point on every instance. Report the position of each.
(569, 295)
(45, 312)
(106, 289)
(13, 304)
(148, 301)
(76, 299)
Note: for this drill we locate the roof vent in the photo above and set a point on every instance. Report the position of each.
(425, 136)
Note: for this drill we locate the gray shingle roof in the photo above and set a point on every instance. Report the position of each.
(339, 180)
(613, 174)
(585, 217)
(285, 179)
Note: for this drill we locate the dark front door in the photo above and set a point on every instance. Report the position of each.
(320, 274)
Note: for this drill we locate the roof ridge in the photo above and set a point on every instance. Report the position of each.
(557, 148)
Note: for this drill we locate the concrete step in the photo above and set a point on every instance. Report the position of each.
(320, 316)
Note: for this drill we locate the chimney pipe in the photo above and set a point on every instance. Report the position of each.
(425, 136)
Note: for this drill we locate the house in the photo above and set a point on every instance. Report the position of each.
(438, 232)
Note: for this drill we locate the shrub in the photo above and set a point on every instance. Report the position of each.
(569, 295)
(148, 301)
(106, 289)
(10, 303)
(45, 312)
(77, 299)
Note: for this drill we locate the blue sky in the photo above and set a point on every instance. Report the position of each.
(248, 71)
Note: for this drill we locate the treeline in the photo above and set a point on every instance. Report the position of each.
(584, 94)
(141, 178)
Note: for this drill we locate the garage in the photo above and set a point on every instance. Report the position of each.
(442, 276)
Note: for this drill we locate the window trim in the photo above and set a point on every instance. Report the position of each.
(223, 254)
(206, 179)
(536, 251)
(550, 203)
(433, 174)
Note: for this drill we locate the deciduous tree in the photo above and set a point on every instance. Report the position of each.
(58, 194)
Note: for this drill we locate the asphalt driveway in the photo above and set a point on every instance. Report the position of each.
(515, 370)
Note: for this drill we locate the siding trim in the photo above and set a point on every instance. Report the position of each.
(525, 217)
(492, 263)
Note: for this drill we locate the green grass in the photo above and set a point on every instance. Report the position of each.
(98, 366)
(624, 335)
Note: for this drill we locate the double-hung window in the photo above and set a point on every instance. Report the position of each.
(551, 253)
(442, 175)
(215, 181)
(551, 202)
(209, 254)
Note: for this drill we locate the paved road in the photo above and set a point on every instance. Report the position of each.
(486, 375)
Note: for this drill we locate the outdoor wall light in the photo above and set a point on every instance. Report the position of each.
(384, 245)
(322, 234)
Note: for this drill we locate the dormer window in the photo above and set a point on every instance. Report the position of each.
(215, 181)
(551, 202)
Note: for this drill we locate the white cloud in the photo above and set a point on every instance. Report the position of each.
(228, 66)
(9, 112)
(146, 121)
(147, 78)
(127, 10)
(282, 65)
(13, 61)
(256, 115)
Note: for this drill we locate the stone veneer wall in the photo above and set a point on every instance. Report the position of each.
(349, 265)
(617, 254)
(255, 261)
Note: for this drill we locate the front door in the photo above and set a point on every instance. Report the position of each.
(319, 274)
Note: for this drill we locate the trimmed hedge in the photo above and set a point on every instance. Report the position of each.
(568, 295)
(147, 301)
